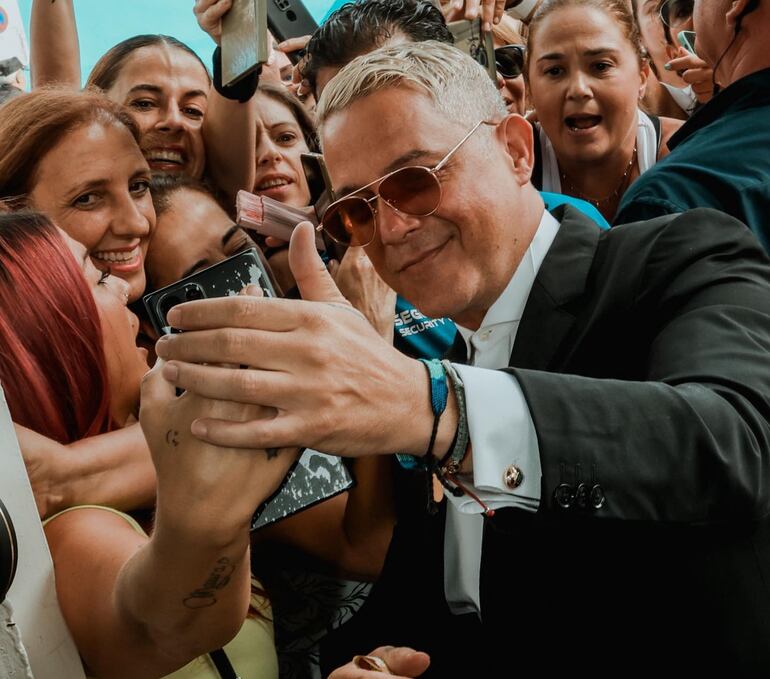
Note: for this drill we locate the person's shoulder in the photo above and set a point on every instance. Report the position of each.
(668, 127)
(692, 233)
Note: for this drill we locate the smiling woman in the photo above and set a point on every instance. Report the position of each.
(75, 157)
(165, 86)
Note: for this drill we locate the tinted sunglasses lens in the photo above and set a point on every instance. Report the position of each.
(510, 61)
(350, 222)
(680, 11)
(412, 190)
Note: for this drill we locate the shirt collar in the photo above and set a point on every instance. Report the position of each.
(751, 91)
(509, 306)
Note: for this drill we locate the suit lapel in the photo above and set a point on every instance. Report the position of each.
(562, 278)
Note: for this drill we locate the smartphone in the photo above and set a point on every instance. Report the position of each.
(321, 196)
(473, 41)
(244, 39)
(225, 279)
(321, 191)
(314, 478)
(289, 19)
(687, 40)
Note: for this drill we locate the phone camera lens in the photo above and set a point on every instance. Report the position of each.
(193, 293)
(168, 303)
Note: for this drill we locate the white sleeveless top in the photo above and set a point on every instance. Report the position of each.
(646, 152)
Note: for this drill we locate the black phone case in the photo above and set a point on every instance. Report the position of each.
(289, 19)
(321, 196)
(224, 279)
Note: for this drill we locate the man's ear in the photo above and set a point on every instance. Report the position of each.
(517, 135)
(734, 15)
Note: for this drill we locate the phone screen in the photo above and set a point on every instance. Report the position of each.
(687, 40)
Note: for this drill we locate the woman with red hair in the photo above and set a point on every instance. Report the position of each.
(70, 368)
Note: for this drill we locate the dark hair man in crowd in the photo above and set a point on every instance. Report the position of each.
(720, 158)
(612, 498)
(360, 27)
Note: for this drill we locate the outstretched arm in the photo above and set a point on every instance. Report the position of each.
(55, 53)
(112, 469)
(229, 128)
(145, 607)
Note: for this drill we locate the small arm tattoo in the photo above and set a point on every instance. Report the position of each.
(272, 453)
(172, 437)
(219, 578)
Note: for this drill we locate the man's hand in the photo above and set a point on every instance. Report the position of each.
(694, 71)
(209, 14)
(401, 662)
(335, 385)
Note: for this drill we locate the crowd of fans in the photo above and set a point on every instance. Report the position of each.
(540, 230)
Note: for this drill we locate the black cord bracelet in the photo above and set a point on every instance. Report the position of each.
(241, 91)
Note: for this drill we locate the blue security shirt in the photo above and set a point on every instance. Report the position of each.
(422, 337)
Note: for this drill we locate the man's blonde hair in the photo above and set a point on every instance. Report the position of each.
(459, 86)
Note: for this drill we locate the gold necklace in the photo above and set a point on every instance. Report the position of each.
(596, 202)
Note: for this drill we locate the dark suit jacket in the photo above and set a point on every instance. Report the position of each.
(643, 354)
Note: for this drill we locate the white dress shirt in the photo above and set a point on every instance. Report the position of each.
(501, 429)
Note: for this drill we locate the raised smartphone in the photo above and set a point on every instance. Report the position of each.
(289, 19)
(244, 39)
(225, 279)
(321, 196)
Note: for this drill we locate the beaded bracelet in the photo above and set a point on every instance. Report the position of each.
(446, 471)
(439, 394)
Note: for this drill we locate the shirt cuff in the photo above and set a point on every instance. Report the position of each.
(502, 434)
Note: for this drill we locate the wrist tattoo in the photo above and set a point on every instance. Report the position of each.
(219, 578)
(172, 437)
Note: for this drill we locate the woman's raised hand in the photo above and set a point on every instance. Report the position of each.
(209, 14)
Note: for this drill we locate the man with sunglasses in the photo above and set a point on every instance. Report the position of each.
(609, 504)
(719, 158)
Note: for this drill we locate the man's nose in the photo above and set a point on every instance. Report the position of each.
(393, 225)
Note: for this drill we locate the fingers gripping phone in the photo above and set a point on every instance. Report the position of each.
(225, 279)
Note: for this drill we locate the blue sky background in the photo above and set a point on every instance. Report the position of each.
(103, 23)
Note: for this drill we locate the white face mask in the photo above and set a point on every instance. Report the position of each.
(683, 96)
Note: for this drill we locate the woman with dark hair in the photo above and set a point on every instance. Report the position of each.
(673, 92)
(186, 124)
(587, 73)
(135, 605)
(285, 131)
